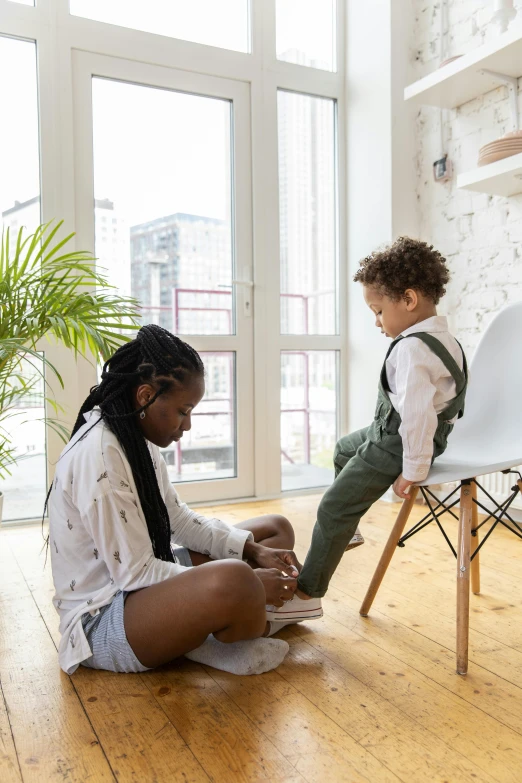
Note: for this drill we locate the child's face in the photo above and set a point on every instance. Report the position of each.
(391, 317)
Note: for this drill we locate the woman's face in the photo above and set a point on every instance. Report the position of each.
(169, 416)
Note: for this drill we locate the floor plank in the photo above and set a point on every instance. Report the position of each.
(54, 739)
(357, 699)
(492, 747)
(138, 739)
(492, 691)
(401, 743)
(10, 771)
(303, 733)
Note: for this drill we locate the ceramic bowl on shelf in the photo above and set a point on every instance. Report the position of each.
(449, 60)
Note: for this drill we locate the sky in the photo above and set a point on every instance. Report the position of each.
(156, 152)
(19, 159)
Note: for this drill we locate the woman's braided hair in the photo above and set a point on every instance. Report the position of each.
(154, 356)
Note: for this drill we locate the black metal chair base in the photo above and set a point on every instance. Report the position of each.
(437, 508)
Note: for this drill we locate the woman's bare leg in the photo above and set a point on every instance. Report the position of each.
(272, 530)
(224, 598)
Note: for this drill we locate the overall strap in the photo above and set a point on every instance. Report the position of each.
(459, 376)
(383, 378)
(456, 406)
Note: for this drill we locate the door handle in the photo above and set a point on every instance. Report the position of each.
(247, 283)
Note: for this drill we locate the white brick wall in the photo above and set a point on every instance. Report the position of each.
(480, 235)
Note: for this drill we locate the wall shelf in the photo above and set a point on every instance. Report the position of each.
(502, 178)
(462, 80)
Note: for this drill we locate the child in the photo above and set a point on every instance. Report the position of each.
(421, 393)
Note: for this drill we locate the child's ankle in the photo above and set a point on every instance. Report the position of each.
(299, 593)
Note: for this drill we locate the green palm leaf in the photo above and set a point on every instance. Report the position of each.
(48, 291)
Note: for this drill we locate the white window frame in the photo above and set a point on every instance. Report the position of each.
(58, 35)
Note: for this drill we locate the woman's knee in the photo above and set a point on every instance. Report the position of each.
(240, 600)
(235, 584)
(283, 528)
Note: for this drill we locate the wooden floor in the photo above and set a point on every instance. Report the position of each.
(356, 699)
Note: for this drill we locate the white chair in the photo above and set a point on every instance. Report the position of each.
(486, 440)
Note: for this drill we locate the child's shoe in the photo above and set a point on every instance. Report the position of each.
(295, 610)
(357, 540)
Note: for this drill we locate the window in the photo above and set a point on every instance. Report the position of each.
(306, 33)
(25, 489)
(158, 149)
(222, 23)
(19, 152)
(308, 214)
(208, 450)
(309, 392)
(162, 170)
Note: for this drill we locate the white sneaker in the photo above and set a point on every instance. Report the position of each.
(295, 610)
(357, 540)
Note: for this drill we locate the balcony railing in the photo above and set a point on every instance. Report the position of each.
(305, 409)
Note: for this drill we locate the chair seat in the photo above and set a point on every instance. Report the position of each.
(450, 467)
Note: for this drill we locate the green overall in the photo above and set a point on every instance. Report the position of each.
(366, 463)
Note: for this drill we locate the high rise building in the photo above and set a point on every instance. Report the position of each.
(307, 204)
(181, 273)
(112, 245)
(22, 213)
(111, 241)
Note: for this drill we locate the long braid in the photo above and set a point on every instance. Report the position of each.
(154, 355)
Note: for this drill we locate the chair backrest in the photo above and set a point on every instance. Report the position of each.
(493, 414)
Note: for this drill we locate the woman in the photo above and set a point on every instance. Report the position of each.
(127, 600)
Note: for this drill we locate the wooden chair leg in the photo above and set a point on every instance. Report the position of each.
(389, 549)
(463, 576)
(475, 541)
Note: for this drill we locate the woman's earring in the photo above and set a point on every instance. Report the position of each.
(142, 415)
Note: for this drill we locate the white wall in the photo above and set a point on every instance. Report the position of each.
(480, 235)
(381, 202)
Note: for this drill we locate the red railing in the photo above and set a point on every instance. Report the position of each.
(177, 308)
(305, 409)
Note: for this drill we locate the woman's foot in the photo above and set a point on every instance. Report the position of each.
(253, 656)
(357, 540)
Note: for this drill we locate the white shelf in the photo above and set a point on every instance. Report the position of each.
(502, 178)
(462, 80)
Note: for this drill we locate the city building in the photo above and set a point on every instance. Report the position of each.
(111, 237)
(307, 210)
(181, 270)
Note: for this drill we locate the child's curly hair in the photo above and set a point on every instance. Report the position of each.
(408, 263)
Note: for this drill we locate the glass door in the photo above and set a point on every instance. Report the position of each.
(23, 422)
(163, 199)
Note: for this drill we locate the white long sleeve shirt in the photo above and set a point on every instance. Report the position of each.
(99, 540)
(420, 388)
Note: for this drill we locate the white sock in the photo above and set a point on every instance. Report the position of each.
(253, 656)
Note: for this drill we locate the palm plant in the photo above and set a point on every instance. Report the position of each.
(49, 291)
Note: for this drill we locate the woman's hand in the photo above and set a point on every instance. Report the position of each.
(402, 487)
(264, 557)
(279, 588)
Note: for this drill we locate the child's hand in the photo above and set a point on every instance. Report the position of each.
(402, 487)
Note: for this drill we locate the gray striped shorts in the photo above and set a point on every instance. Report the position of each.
(106, 635)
